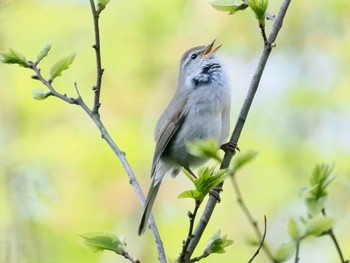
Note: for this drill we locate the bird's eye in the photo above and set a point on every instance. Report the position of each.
(194, 56)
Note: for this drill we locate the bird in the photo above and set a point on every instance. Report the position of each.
(198, 110)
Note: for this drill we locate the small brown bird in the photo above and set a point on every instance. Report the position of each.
(199, 109)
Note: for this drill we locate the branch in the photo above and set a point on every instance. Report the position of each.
(97, 46)
(240, 123)
(94, 115)
(335, 241)
(261, 242)
(250, 218)
(192, 217)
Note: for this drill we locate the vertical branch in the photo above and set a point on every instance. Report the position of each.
(97, 46)
(240, 123)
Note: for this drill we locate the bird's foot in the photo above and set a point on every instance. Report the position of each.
(230, 146)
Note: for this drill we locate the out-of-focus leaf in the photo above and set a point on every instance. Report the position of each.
(241, 160)
(293, 229)
(314, 205)
(204, 148)
(284, 252)
(230, 6)
(61, 65)
(43, 53)
(14, 57)
(217, 243)
(101, 5)
(40, 94)
(98, 241)
(317, 225)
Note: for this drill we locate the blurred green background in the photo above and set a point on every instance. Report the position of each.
(58, 179)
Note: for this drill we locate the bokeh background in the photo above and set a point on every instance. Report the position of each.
(59, 179)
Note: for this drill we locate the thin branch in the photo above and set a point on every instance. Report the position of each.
(93, 114)
(261, 242)
(126, 255)
(99, 69)
(297, 250)
(335, 241)
(192, 217)
(240, 123)
(250, 218)
(195, 259)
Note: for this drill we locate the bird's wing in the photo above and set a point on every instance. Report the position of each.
(167, 131)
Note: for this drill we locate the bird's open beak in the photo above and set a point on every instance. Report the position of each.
(209, 50)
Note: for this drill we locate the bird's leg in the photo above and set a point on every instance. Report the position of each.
(192, 173)
(230, 146)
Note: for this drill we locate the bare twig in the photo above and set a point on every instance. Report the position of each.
(297, 250)
(262, 241)
(195, 259)
(250, 218)
(240, 123)
(100, 70)
(126, 255)
(192, 217)
(335, 241)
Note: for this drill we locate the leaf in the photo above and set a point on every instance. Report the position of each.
(61, 65)
(317, 225)
(204, 148)
(192, 194)
(259, 8)
(217, 244)
(284, 252)
(241, 160)
(14, 57)
(43, 53)
(293, 229)
(101, 5)
(315, 205)
(40, 94)
(99, 241)
(230, 6)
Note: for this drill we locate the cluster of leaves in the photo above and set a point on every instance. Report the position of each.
(316, 223)
(259, 7)
(14, 57)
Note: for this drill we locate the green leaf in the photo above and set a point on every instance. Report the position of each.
(284, 252)
(230, 6)
(293, 229)
(40, 94)
(101, 5)
(204, 149)
(259, 8)
(319, 180)
(317, 225)
(61, 65)
(43, 53)
(315, 205)
(241, 160)
(217, 244)
(99, 241)
(207, 179)
(192, 194)
(14, 57)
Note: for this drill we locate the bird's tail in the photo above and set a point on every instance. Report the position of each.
(153, 191)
